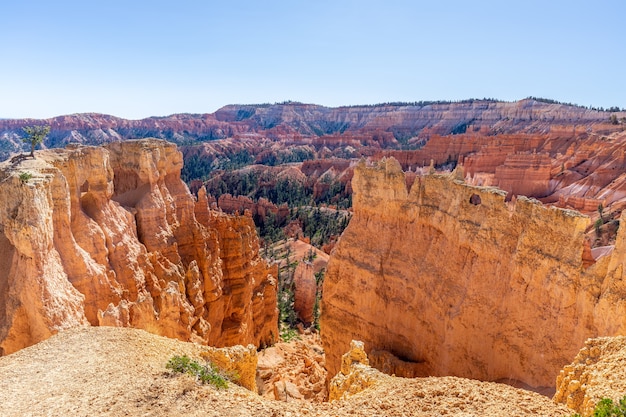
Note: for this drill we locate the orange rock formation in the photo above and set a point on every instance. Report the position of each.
(455, 281)
(432, 396)
(525, 174)
(261, 208)
(305, 291)
(597, 372)
(112, 236)
(293, 370)
(578, 168)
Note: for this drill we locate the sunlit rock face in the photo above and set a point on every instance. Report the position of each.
(111, 236)
(449, 279)
(597, 372)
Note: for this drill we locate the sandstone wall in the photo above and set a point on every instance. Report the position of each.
(451, 278)
(112, 236)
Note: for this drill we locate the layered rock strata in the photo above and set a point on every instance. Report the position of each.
(265, 130)
(577, 169)
(112, 236)
(453, 280)
(261, 208)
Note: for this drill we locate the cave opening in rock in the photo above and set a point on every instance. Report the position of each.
(85, 187)
(475, 200)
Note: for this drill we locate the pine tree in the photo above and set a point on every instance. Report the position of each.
(35, 135)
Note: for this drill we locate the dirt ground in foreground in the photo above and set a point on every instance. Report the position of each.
(103, 371)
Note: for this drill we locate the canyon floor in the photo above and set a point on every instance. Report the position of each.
(121, 372)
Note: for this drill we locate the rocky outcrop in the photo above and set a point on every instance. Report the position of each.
(355, 374)
(262, 207)
(305, 292)
(597, 372)
(239, 363)
(585, 152)
(456, 281)
(478, 152)
(111, 236)
(433, 396)
(293, 370)
(121, 371)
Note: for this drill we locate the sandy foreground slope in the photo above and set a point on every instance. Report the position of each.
(101, 371)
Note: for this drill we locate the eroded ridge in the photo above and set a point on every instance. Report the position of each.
(111, 236)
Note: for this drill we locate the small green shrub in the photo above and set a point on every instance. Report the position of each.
(287, 334)
(25, 177)
(286, 313)
(598, 226)
(206, 374)
(607, 408)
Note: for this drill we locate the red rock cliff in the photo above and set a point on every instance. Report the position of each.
(366, 129)
(112, 236)
(452, 280)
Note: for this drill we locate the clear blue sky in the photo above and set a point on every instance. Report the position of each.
(135, 58)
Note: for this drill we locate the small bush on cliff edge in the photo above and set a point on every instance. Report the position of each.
(25, 177)
(206, 374)
(607, 408)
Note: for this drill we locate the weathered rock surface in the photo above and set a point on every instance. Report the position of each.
(575, 168)
(237, 362)
(456, 281)
(585, 151)
(597, 372)
(357, 382)
(262, 207)
(120, 371)
(526, 174)
(311, 261)
(111, 236)
(355, 374)
(305, 292)
(294, 370)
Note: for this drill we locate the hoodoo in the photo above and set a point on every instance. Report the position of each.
(450, 279)
(112, 236)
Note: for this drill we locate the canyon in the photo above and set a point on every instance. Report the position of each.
(562, 154)
(439, 273)
(447, 278)
(111, 236)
